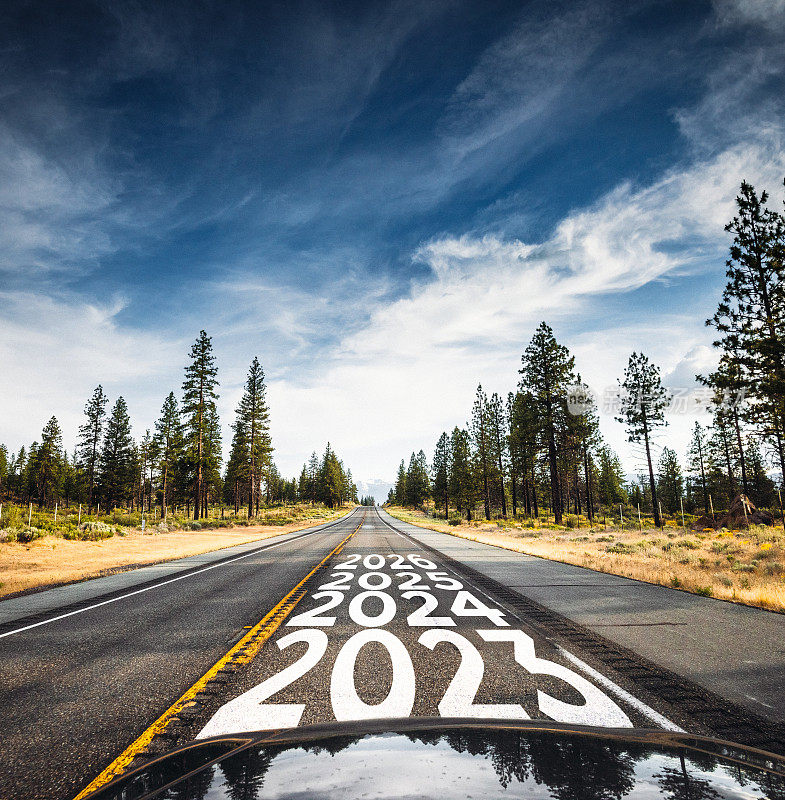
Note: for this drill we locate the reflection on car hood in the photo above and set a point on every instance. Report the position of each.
(456, 759)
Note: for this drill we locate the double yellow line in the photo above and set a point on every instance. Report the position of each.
(243, 652)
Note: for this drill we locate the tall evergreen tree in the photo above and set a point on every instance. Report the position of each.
(117, 456)
(198, 394)
(441, 473)
(47, 465)
(697, 461)
(417, 483)
(762, 489)
(548, 369)
(213, 456)
(255, 418)
(729, 386)
(583, 428)
(670, 481)
(524, 446)
(497, 431)
(400, 485)
(481, 439)
(462, 481)
(611, 478)
(90, 439)
(751, 315)
(168, 448)
(330, 478)
(643, 403)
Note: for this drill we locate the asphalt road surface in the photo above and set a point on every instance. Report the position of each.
(354, 620)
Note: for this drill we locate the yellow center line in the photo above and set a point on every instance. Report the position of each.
(243, 652)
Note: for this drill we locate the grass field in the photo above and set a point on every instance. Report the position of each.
(51, 559)
(746, 566)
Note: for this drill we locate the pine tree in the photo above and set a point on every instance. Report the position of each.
(198, 393)
(482, 445)
(583, 428)
(729, 384)
(255, 418)
(548, 369)
(722, 452)
(213, 485)
(147, 456)
(762, 489)
(4, 468)
(400, 485)
(169, 445)
(462, 481)
(117, 456)
(313, 476)
(236, 479)
(417, 482)
(497, 431)
(90, 439)
(330, 479)
(697, 461)
(643, 403)
(441, 473)
(751, 315)
(47, 465)
(670, 482)
(611, 478)
(524, 446)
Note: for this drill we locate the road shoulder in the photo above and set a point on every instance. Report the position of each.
(732, 650)
(68, 596)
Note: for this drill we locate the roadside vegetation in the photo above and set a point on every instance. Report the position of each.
(168, 476)
(537, 460)
(58, 553)
(744, 566)
(119, 501)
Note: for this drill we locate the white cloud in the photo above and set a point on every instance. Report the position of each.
(411, 371)
(55, 350)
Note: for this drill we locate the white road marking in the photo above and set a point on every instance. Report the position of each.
(146, 589)
(247, 712)
(639, 705)
(343, 693)
(613, 687)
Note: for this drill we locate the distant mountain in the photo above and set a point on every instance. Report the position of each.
(377, 489)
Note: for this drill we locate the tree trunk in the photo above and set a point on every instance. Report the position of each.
(780, 452)
(703, 479)
(742, 462)
(163, 492)
(652, 484)
(731, 477)
(534, 494)
(514, 492)
(587, 478)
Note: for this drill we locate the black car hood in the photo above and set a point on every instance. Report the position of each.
(456, 759)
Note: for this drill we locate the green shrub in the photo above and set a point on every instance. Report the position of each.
(454, 521)
(704, 591)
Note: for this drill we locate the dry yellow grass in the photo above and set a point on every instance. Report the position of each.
(52, 560)
(742, 566)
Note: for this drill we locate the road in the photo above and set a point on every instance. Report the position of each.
(358, 619)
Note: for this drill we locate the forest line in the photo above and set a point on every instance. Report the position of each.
(176, 462)
(541, 448)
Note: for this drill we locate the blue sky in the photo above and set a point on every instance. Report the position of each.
(380, 200)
